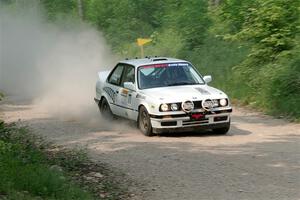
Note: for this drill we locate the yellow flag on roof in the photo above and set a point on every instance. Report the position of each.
(142, 41)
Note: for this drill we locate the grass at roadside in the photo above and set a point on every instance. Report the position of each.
(30, 168)
(1, 96)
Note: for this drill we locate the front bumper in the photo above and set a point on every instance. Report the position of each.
(190, 121)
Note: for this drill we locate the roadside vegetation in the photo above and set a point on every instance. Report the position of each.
(1, 96)
(250, 47)
(30, 168)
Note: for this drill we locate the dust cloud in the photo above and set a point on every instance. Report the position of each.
(54, 65)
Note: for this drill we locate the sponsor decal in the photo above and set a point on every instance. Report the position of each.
(110, 92)
(164, 65)
(178, 64)
(154, 66)
(124, 92)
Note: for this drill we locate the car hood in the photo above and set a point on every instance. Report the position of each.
(182, 93)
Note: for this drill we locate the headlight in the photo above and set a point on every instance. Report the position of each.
(223, 102)
(164, 107)
(174, 106)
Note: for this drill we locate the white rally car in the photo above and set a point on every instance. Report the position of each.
(162, 95)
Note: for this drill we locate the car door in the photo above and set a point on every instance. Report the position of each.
(127, 97)
(113, 89)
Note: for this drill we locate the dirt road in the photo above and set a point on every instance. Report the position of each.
(258, 159)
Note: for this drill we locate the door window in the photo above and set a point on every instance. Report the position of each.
(128, 75)
(115, 77)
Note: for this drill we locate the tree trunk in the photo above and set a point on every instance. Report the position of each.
(80, 11)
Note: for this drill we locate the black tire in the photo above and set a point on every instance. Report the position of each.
(105, 110)
(144, 122)
(223, 130)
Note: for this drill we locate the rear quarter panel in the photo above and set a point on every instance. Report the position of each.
(102, 76)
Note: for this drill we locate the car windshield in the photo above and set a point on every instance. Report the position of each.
(167, 74)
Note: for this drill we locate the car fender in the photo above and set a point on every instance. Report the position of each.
(100, 84)
(108, 93)
(149, 105)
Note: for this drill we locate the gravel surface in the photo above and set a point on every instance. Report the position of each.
(258, 159)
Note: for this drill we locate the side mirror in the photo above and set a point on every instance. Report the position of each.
(129, 85)
(207, 78)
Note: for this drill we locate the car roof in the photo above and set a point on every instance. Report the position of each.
(151, 60)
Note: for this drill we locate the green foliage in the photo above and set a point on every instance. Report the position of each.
(57, 8)
(189, 19)
(216, 57)
(232, 14)
(123, 21)
(284, 90)
(269, 74)
(167, 43)
(25, 172)
(250, 47)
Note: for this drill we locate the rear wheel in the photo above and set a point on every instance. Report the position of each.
(105, 110)
(144, 122)
(223, 130)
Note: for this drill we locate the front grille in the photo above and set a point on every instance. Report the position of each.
(195, 120)
(191, 122)
(197, 104)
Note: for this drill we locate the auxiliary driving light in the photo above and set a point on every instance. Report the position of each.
(187, 106)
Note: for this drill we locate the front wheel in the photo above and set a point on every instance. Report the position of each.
(223, 130)
(144, 122)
